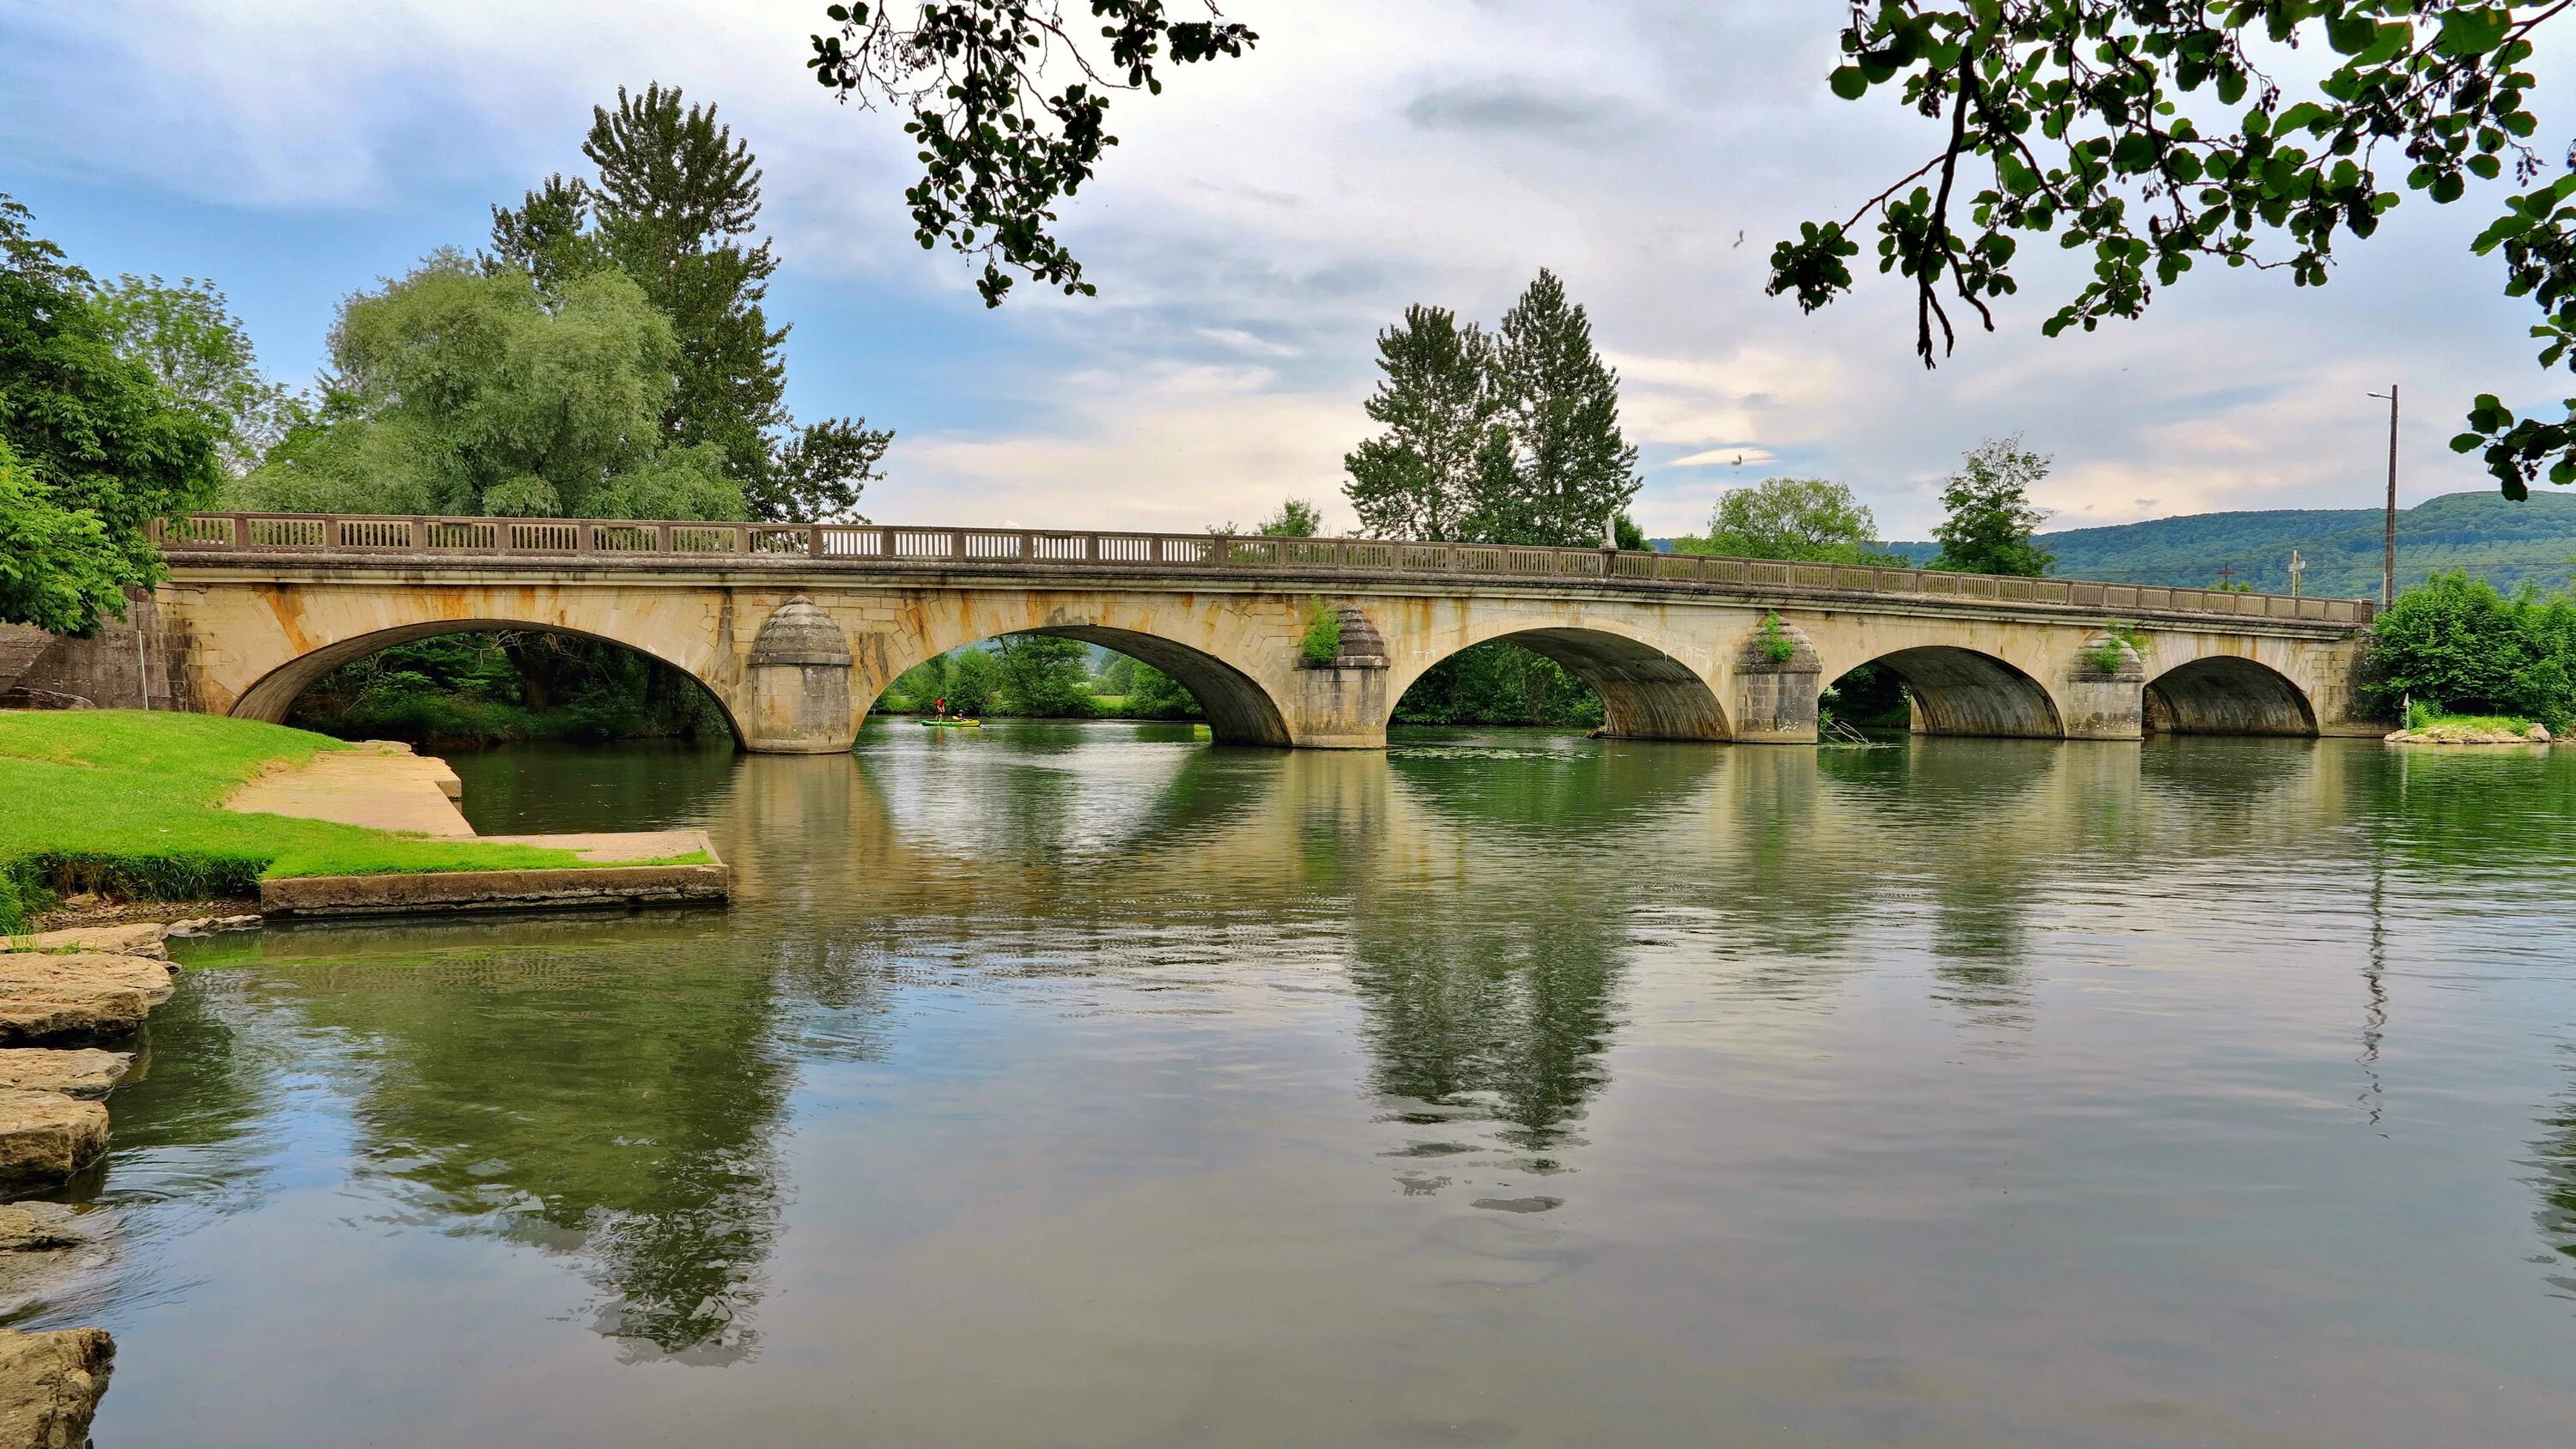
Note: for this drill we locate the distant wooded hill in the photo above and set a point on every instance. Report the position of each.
(2510, 543)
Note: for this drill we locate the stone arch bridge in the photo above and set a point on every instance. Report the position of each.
(795, 629)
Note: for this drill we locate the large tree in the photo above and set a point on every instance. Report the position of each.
(96, 447)
(1991, 522)
(2158, 134)
(674, 205)
(1572, 468)
(1793, 518)
(1443, 449)
(461, 389)
(187, 334)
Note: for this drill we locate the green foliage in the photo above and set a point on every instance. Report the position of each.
(1499, 683)
(59, 570)
(1422, 476)
(187, 334)
(124, 801)
(1322, 642)
(2118, 638)
(93, 435)
(1811, 519)
(1572, 468)
(1507, 438)
(1296, 518)
(2511, 543)
(675, 196)
(974, 682)
(1991, 518)
(1133, 689)
(1042, 676)
(1776, 644)
(2458, 644)
(508, 685)
(1152, 694)
(998, 153)
(465, 390)
(2154, 135)
(1871, 697)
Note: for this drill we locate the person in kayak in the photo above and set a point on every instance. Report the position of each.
(942, 706)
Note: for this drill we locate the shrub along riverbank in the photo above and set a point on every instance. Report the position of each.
(2460, 647)
(127, 804)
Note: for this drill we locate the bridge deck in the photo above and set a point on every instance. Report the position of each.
(862, 547)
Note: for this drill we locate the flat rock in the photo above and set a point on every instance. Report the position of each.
(71, 1019)
(134, 938)
(2452, 734)
(45, 1137)
(81, 1072)
(210, 925)
(40, 976)
(50, 1385)
(27, 1228)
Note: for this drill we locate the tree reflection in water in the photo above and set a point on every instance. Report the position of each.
(586, 1102)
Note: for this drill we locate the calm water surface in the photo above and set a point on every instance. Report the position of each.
(1090, 1085)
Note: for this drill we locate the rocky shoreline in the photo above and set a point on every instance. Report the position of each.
(71, 1004)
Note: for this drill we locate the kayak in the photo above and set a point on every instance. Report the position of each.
(951, 724)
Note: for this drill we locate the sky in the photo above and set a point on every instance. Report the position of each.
(1256, 227)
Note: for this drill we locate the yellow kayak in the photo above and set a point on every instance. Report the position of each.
(953, 724)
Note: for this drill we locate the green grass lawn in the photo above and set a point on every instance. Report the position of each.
(126, 803)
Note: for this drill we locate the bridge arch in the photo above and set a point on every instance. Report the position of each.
(1235, 656)
(1963, 691)
(1647, 691)
(269, 697)
(2227, 694)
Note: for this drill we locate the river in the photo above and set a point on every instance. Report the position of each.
(1089, 1084)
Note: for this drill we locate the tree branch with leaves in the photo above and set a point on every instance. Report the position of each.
(998, 152)
(2155, 135)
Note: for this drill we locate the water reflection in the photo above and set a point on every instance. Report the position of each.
(1997, 1091)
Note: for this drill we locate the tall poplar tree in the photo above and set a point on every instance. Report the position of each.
(674, 206)
(1443, 448)
(1572, 468)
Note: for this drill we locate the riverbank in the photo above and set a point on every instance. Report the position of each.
(73, 1005)
(120, 807)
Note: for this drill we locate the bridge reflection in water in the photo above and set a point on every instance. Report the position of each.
(1487, 974)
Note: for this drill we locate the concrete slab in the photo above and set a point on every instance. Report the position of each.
(610, 849)
(495, 890)
(380, 786)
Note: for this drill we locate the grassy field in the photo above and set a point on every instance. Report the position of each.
(125, 803)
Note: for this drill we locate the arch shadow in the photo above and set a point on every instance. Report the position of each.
(1962, 692)
(274, 693)
(1646, 694)
(2227, 695)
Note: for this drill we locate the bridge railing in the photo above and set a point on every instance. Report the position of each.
(576, 538)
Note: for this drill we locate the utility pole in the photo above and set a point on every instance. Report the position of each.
(2226, 575)
(2388, 549)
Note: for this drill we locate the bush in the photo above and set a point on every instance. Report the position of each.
(2462, 647)
(1323, 642)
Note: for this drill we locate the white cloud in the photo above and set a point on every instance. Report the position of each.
(1265, 217)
